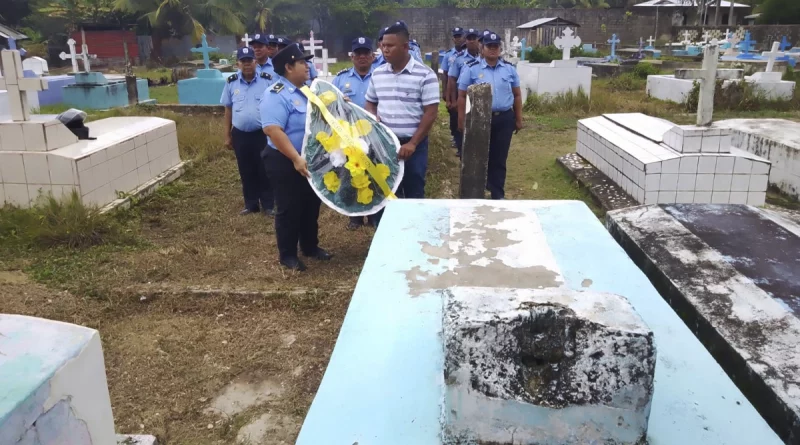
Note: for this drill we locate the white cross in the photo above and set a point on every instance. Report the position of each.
(17, 85)
(707, 77)
(706, 36)
(566, 42)
(246, 39)
(686, 37)
(772, 55)
(311, 44)
(651, 40)
(85, 53)
(71, 55)
(727, 34)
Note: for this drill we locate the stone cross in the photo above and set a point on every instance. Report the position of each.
(706, 36)
(772, 55)
(686, 39)
(246, 39)
(17, 85)
(727, 34)
(566, 42)
(311, 44)
(641, 44)
(524, 48)
(71, 55)
(707, 77)
(734, 41)
(747, 44)
(205, 49)
(651, 41)
(785, 44)
(85, 52)
(614, 40)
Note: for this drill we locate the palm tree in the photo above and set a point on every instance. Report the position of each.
(168, 18)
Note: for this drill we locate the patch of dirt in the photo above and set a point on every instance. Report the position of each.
(269, 428)
(13, 277)
(240, 395)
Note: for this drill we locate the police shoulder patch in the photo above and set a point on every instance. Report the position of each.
(343, 71)
(277, 88)
(267, 76)
(233, 77)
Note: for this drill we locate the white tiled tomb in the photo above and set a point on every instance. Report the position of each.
(674, 88)
(42, 156)
(658, 162)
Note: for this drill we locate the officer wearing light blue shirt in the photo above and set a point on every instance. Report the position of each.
(506, 107)
(312, 70)
(262, 54)
(353, 83)
(472, 52)
(448, 59)
(241, 96)
(379, 60)
(415, 50)
(283, 111)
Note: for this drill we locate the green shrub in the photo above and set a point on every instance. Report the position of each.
(741, 96)
(791, 75)
(644, 69)
(567, 102)
(627, 82)
(546, 54)
(54, 223)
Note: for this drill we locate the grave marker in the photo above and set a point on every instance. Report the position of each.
(524, 48)
(784, 44)
(746, 46)
(311, 44)
(246, 39)
(686, 39)
(706, 36)
(72, 56)
(17, 86)
(614, 40)
(566, 42)
(130, 79)
(12, 43)
(475, 152)
(772, 55)
(85, 52)
(651, 41)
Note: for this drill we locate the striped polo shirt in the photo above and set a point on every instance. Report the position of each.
(402, 96)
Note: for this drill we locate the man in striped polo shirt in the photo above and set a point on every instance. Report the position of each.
(404, 95)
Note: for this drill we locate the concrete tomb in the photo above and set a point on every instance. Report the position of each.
(206, 88)
(516, 322)
(732, 273)
(92, 90)
(558, 76)
(39, 155)
(36, 64)
(55, 389)
(775, 139)
(770, 82)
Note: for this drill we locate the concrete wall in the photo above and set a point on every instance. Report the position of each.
(431, 26)
(764, 35)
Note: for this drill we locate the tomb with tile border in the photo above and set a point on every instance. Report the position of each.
(656, 161)
(559, 76)
(675, 88)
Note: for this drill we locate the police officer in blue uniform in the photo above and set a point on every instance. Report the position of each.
(262, 54)
(272, 45)
(353, 83)
(506, 107)
(415, 50)
(379, 60)
(283, 111)
(448, 59)
(312, 70)
(243, 134)
(472, 52)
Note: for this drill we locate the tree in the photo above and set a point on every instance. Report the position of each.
(780, 12)
(178, 18)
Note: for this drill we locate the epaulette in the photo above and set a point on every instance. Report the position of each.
(277, 88)
(265, 75)
(233, 77)
(473, 62)
(343, 71)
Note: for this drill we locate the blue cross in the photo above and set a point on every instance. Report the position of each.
(745, 46)
(784, 44)
(524, 48)
(614, 40)
(12, 44)
(205, 49)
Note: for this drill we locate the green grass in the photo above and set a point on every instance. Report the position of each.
(154, 74)
(165, 95)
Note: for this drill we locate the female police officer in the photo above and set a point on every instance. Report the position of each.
(283, 118)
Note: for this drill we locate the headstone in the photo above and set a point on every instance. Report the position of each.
(707, 77)
(475, 151)
(36, 64)
(566, 42)
(613, 41)
(524, 48)
(311, 44)
(772, 55)
(17, 85)
(72, 56)
(246, 39)
(706, 37)
(746, 46)
(205, 50)
(686, 38)
(130, 79)
(785, 45)
(85, 56)
(770, 83)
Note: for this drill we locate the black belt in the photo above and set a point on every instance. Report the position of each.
(404, 140)
(498, 113)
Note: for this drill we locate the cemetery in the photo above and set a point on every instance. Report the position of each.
(637, 285)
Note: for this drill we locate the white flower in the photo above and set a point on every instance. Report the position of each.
(337, 158)
(364, 146)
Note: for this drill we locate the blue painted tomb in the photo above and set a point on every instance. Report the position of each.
(93, 90)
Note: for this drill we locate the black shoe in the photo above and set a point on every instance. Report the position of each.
(269, 212)
(320, 254)
(458, 154)
(248, 211)
(293, 263)
(354, 224)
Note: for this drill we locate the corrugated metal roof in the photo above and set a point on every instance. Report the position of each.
(547, 21)
(7, 32)
(686, 4)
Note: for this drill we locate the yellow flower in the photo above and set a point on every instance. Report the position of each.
(356, 165)
(329, 142)
(382, 171)
(362, 127)
(360, 181)
(350, 151)
(331, 181)
(328, 97)
(365, 195)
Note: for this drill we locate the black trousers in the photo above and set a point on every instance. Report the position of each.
(255, 185)
(457, 136)
(503, 126)
(297, 209)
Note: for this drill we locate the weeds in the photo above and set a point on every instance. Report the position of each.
(626, 82)
(741, 96)
(546, 54)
